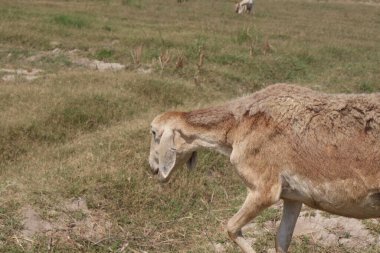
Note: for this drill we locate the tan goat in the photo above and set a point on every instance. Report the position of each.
(286, 142)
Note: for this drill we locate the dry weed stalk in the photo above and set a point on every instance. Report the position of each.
(164, 59)
(252, 43)
(180, 62)
(201, 59)
(18, 242)
(136, 54)
(251, 49)
(197, 76)
(197, 80)
(267, 47)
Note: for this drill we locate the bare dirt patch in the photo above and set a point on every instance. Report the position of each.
(97, 65)
(93, 64)
(335, 231)
(75, 58)
(70, 223)
(33, 223)
(324, 229)
(10, 74)
(25, 74)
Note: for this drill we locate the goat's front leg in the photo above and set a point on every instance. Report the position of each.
(289, 218)
(253, 205)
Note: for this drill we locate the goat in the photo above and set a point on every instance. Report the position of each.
(245, 6)
(286, 142)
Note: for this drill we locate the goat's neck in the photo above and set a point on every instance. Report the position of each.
(214, 143)
(214, 135)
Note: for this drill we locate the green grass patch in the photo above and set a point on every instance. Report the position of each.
(71, 21)
(160, 91)
(374, 227)
(12, 146)
(227, 59)
(366, 87)
(132, 3)
(79, 114)
(269, 214)
(10, 223)
(12, 13)
(104, 54)
(60, 60)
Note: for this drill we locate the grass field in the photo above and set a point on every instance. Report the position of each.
(73, 133)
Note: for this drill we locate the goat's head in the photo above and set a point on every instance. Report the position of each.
(169, 148)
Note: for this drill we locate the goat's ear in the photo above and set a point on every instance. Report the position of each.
(192, 162)
(166, 153)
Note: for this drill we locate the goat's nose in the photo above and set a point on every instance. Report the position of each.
(154, 168)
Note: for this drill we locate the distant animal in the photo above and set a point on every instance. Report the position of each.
(245, 6)
(286, 142)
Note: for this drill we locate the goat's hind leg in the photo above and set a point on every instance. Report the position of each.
(253, 205)
(289, 218)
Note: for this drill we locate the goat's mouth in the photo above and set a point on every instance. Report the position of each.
(158, 176)
(162, 179)
(153, 166)
(155, 171)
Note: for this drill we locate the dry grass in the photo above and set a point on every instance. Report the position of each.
(78, 132)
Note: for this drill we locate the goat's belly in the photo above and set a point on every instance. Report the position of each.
(360, 208)
(346, 198)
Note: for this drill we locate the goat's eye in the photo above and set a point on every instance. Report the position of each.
(155, 137)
